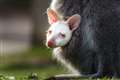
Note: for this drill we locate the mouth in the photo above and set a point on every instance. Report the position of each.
(50, 46)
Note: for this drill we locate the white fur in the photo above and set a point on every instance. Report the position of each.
(56, 4)
(62, 27)
(56, 28)
(57, 54)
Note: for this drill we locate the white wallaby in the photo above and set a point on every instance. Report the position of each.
(60, 31)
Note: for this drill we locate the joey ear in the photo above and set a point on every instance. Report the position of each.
(74, 21)
(52, 16)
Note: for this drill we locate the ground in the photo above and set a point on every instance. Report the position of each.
(37, 60)
(36, 63)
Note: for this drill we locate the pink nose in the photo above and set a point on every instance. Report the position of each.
(50, 43)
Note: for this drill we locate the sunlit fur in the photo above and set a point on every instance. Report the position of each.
(57, 28)
(57, 53)
(56, 4)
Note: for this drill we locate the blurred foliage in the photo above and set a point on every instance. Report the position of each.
(34, 64)
(35, 56)
(25, 74)
(20, 66)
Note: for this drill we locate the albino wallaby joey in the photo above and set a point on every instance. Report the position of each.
(60, 31)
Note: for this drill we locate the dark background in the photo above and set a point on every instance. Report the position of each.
(22, 39)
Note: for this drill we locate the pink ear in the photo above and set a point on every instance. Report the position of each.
(52, 16)
(74, 21)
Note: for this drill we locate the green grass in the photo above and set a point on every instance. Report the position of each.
(35, 62)
(42, 73)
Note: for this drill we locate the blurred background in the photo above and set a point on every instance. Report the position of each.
(22, 39)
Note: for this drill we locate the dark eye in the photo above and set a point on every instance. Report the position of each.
(49, 31)
(62, 35)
